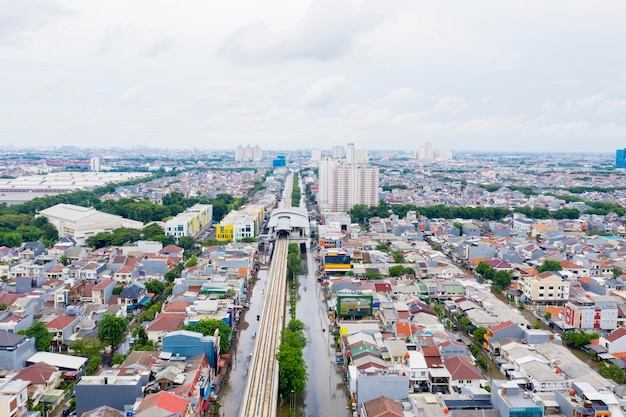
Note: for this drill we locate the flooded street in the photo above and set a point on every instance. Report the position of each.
(325, 393)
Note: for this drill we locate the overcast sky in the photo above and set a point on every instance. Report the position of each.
(289, 74)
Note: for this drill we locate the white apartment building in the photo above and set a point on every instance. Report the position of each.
(338, 152)
(591, 314)
(547, 288)
(248, 153)
(342, 186)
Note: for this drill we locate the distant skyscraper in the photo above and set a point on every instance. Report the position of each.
(248, 153)
(316, 154)
(620, 158)
(94, 164)
(360, 156)
(342, 186)
(425, 152)
(441, 155)
(338, 152)
(350, 155)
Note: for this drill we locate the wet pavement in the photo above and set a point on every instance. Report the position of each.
(232, 392)
(325, 393)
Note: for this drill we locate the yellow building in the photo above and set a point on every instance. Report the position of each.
(239, 224)
(545, 288)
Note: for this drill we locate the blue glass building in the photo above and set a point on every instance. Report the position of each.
(620, 158)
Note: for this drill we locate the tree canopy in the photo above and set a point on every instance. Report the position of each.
(112, 329)
(292, 374)
(207, 328)
(42, 336)
(550, 265)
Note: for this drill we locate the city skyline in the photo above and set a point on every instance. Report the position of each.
(295, 75)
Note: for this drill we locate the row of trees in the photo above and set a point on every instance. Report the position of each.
(361, 213)
(292, 374)
(295, 191)
(18, 228)
(501, 278)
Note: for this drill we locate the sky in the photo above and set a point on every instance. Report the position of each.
(504, 76)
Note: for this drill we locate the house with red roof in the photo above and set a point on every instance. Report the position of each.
(508, 329)
(382, 407)
(62, 328)
(102, 292)
(163, 403)
(463, 372)
(614, 342)
(164, 323)
(452, 348)
(40, 377)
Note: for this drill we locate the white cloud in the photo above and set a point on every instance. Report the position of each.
(451, 105)
(325, 91)
(131, 94)
(327, 31)
(158, 46)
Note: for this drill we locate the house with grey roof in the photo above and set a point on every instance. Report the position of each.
(15, 349)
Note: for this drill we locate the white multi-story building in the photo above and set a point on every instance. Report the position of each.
(316, 154)
(248, 153)
(350, 154)
(360, 156)
(425, 152)
(190, 222)
(342, 186)
(94, 164)
(338, 152)
(589, 314)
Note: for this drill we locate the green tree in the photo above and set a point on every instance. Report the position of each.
(42, 336)
(93, 363)
(359, 213)
(578, 339)
(383, 247)
(479, 334)
(208, 326)
(550, 265)
(118, 359)
(141, 338)
(371, 273)
(155, 286)
(398, 257)
(153, 232)
(87, 346)
(612, 371)
(112, 329)
(193, 261)
(502, 279)
(485, 270)
(547, 316)
(292, 373)
(396, 270)
(150, 313)
(3, 307)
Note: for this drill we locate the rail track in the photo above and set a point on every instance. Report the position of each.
(260, 397)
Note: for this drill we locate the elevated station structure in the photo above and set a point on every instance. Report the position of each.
(292, 222)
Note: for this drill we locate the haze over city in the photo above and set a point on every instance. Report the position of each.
(480, 75)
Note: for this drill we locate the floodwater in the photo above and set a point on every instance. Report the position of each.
(232, 392)
(325, 393)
